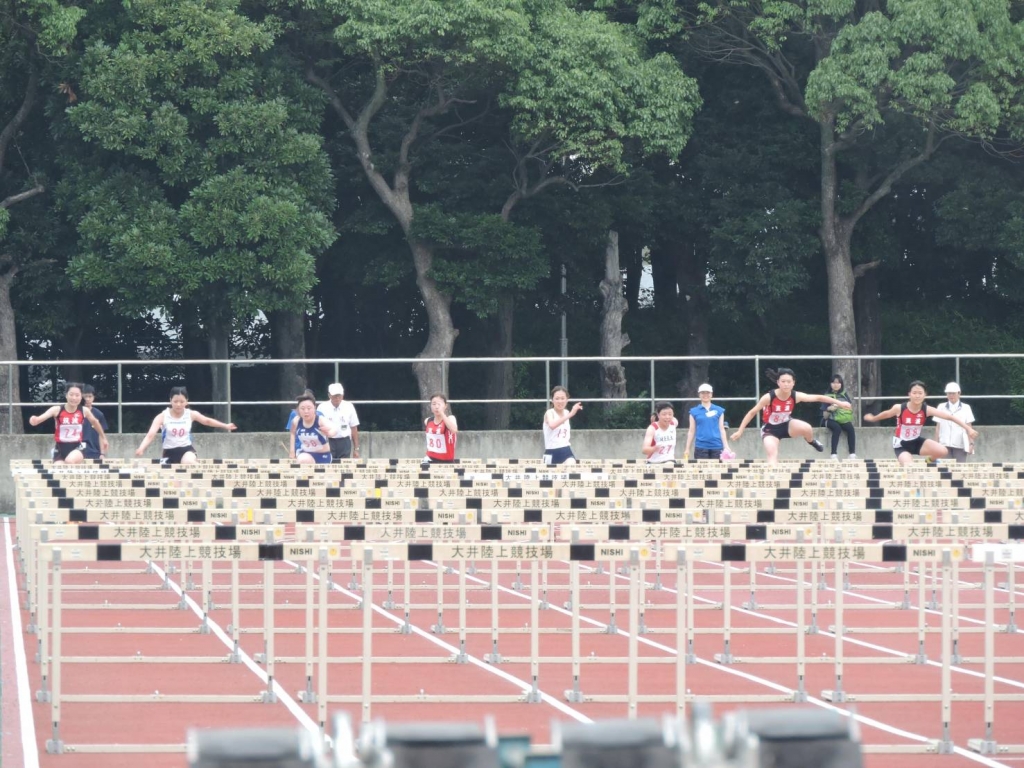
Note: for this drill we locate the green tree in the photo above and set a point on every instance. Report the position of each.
(34, 39)
(402, 76)
(208, 190)
(928, 70)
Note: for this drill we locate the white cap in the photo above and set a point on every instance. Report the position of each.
(953, 387)
(704, 388)
(335, 389)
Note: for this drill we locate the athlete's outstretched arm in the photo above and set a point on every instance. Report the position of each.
(49, 413)
(208, 421)
(886, 414)
(937, 414)
(803, 397)
(759, 406)
(156, 426)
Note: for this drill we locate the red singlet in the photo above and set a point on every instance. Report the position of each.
(68, 426)
(778, 411)
(910, 425)
(440, 441)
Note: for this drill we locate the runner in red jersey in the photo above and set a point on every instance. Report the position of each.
(442, 432)
(908, 440)
(776, 407)
(68, 421)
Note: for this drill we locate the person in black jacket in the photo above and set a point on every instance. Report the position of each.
(839, 420)
(89, 435)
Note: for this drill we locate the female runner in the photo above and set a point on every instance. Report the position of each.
(776, 407)
(69, 419)
(442, 431)
(312, 434)
(908, 440)
(659, 445)
(175, 426)
(557, 430)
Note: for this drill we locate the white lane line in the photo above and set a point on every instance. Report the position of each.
(929, 577)
(28, 728)
(759, 680)
(522, 684)
(282, 694)
(854, 641)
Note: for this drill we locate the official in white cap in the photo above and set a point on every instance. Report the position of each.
(341, 415)
(706, 433)
(956, 440)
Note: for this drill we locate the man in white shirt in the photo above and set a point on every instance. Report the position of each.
(949, 434)
(341, 415)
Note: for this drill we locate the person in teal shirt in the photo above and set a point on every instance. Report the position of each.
(839, 420)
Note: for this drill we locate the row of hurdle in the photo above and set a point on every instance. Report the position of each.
(533, 551)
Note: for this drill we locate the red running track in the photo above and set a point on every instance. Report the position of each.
(159, 722)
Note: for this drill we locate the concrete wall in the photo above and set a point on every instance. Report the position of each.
(994, 444)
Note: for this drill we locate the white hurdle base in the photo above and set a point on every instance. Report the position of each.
(989, 747)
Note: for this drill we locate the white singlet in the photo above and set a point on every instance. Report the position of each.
(177, 431)
(665, 444)
(557, 437)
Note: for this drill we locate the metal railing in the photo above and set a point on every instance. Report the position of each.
(757, 362)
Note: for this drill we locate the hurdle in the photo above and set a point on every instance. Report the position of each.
(612, 570)
(988, 554)
(963, 509)
(58, 555)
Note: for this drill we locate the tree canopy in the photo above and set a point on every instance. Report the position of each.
(364, 179)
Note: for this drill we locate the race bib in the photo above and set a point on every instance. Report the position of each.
(778, 418)
(435, 443)
(910, 432)
(70, 433)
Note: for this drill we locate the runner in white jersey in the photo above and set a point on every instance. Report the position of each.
(557, 430)
(175, 424)
(659, 445)
(177, 429)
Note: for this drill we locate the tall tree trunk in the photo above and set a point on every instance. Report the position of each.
(613, 374)
(441, 334)
(633, 256)
(869, 338)
(314, 335)
(692, 275)
(836, 232)
(193, 347)
(665, 278)
(73, 349)
(432, 377)
(10, 383)
(499, 382)
(288, 341)
(219, 345)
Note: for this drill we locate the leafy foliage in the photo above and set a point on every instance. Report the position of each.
(481, 257)
(193, 172)
(220, 190)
